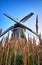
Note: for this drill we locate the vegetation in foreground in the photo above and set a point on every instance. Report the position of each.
(20, 52)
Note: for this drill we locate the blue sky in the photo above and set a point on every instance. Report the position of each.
(19, 9)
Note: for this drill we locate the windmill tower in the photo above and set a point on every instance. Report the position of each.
(37, 24)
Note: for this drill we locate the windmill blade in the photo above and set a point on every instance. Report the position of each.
(21, 24)
(10, 17)
(28, 29)
(7, 30)
(26, 17)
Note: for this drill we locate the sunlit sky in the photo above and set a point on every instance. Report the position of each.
(18, 9)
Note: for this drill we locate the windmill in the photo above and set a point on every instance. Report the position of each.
(18, 27)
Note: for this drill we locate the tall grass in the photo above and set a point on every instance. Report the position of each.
(20, 52)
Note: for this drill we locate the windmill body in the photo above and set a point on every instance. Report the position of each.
(18, 29)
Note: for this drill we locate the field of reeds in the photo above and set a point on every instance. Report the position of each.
(20, 52)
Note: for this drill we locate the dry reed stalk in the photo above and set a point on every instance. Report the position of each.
(27, 49)
(1, 53)
(0, 31)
